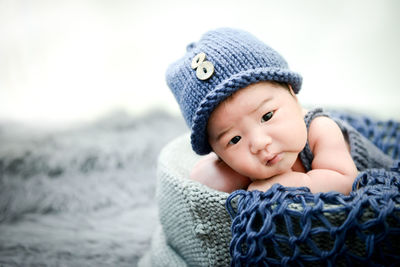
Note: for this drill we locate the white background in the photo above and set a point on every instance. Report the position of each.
(72, 61)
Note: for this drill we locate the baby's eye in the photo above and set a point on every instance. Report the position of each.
(267, 116)
(234, 140)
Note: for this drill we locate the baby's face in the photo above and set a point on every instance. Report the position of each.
(259, 131)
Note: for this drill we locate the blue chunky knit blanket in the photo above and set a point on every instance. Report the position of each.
(292, 226)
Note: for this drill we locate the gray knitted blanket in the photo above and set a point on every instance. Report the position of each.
(81, 196)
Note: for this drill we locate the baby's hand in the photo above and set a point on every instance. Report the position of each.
(288, 179)
(214, 173)
(260, 185)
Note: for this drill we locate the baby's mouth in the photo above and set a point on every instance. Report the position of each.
(274, 159)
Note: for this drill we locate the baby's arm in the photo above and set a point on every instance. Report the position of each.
(333, 168)
(214, 173)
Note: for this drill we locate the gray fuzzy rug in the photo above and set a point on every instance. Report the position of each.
(81, 196)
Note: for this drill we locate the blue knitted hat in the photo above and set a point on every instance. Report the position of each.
(222, 62)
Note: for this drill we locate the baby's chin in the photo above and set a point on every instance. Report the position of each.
(269, 173)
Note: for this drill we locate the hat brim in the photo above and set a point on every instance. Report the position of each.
(199, 137)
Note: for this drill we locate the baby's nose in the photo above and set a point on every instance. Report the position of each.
(259, 142)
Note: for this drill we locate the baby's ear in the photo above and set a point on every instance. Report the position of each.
(291, 91)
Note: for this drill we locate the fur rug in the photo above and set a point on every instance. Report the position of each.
(81, 196)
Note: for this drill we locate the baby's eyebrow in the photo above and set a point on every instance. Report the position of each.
(221, 134)
(261, 104)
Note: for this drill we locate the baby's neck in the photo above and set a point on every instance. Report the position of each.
(298, 166)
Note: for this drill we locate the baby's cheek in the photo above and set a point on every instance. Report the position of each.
(243, 168)
(255, 173)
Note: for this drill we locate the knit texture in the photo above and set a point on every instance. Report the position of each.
(194, 226)
(286, 226)
(239, 59)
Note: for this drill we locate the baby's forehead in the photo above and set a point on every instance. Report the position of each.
(248, 88)
(245, 99)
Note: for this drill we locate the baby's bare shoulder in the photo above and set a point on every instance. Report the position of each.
(324, 129)
(330, 149)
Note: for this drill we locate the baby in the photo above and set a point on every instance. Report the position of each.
(238, 96)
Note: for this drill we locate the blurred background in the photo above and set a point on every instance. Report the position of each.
(84, 195)
(71, 61)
